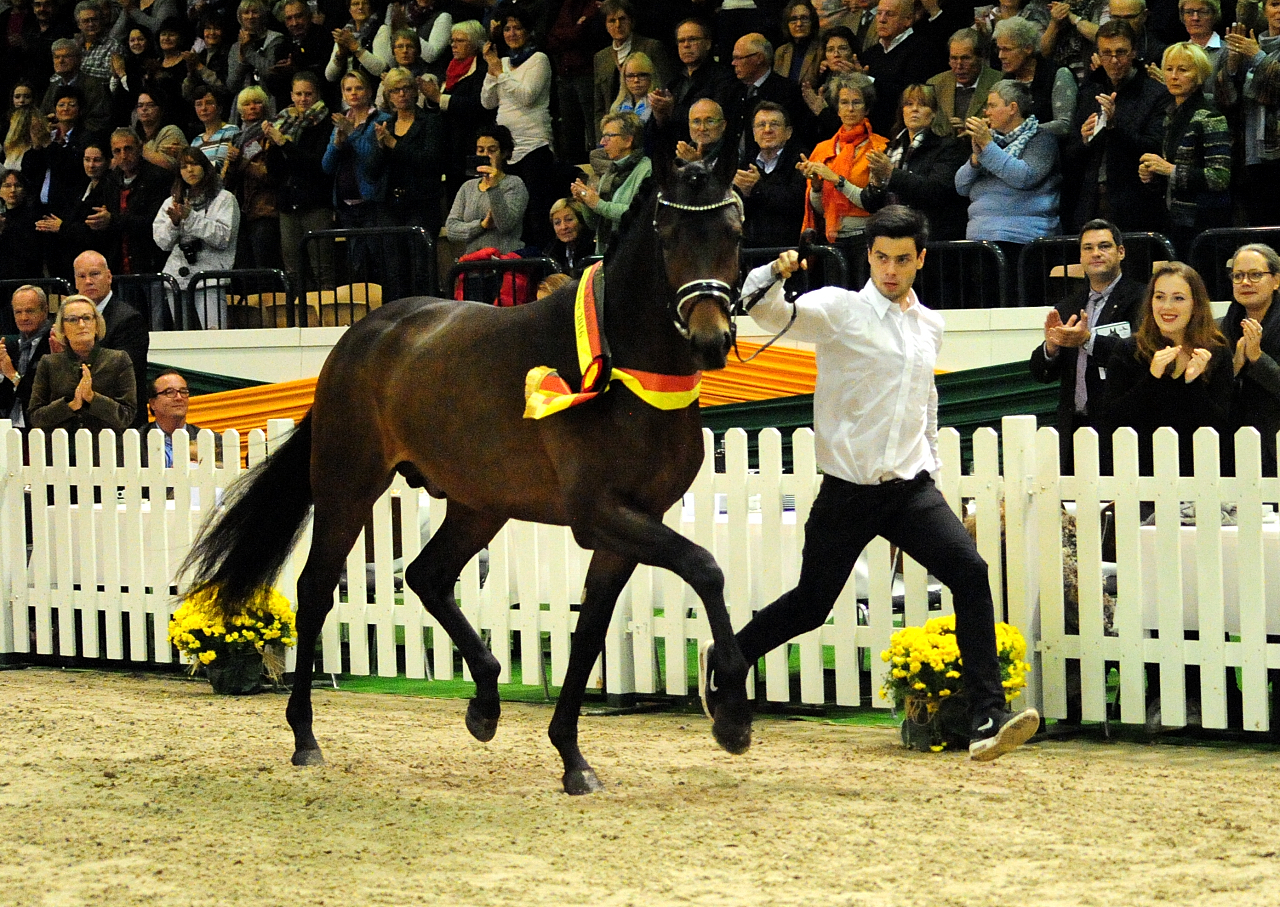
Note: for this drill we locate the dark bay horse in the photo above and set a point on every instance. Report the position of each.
(436, 390)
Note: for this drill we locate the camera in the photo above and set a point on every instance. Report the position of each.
(191, 252)
(191, 249)
(474, 162)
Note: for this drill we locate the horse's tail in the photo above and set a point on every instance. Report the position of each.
(241, 549)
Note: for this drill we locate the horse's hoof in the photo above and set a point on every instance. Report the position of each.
(733, 737)
(308, 757)
(581, 781)
(481, 726)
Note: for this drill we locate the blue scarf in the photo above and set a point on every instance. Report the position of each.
(519, 56)
(1015, 141)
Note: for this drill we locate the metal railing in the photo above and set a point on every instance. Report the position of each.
(360, 268)
(249, 298)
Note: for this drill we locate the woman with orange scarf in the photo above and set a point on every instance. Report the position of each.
(838, 171)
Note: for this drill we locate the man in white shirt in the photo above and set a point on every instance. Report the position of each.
(876, 421)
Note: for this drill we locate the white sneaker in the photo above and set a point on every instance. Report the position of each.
(1003, 733)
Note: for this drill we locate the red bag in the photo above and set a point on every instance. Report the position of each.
(516, 287)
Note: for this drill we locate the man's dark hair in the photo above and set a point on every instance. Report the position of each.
(772, 107)
(698, 21)
(152, 390)
(1117, 28)
(898, 222)
(1099, 224)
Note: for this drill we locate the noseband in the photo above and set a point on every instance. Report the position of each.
(721, 292)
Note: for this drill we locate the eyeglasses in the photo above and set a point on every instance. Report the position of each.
(610, 135)
(852, 102)
(79, 319)
(1195, 13)
(638, 75)
(1115, 54)
(174, 393)
(764, 125)
(738, 58)
(799, 19)
(705, 124)
(1249, 276)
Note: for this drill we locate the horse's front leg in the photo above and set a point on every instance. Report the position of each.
(647, 540)
(606, 576)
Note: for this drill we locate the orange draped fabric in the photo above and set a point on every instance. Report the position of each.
(778, 372)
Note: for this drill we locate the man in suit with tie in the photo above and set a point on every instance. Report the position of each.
(19, 355)
(963, 88)
(1081, 334)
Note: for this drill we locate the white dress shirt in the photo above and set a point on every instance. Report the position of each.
(875, 407)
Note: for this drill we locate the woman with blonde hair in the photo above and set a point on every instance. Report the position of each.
(248, 175)
(574, 242)
(1174, 371)
(86, 385)
(27, 129)
(637, 79)
(1194, 165)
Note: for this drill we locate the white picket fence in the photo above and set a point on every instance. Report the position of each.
(98, 580)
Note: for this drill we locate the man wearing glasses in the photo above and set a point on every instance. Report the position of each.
(698, 77)
(1081, 334)
(1147, 46)
(769, 183)
(169, 398)
(1119, 117)
(753, 67)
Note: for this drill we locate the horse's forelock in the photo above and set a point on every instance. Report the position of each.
(696, 183)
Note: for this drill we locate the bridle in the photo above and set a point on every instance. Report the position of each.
(724, 294)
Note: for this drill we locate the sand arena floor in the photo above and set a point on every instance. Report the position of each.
(127, 790)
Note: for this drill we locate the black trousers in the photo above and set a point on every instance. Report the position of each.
(914, 516)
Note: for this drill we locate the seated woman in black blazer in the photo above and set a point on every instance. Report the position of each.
(919, 167)
(86, 385)
(1175, 371)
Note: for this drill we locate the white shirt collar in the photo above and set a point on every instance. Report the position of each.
(898, 40)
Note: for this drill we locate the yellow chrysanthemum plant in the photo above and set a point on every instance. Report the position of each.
(199, 630)
(924, 678)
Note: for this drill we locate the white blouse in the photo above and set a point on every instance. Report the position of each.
(522, 97)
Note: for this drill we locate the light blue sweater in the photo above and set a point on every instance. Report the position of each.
(1013, 199)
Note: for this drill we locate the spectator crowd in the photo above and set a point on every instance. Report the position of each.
(149, 136)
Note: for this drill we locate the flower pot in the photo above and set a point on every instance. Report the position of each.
(236, 674)
(944, 728)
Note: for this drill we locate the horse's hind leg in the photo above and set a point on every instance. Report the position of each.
(335, 529)
(606, 576)
(432, 576)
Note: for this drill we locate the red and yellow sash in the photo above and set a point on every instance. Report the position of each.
(545, 392)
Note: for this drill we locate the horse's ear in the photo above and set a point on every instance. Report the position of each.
(726, 165)
(664, 157)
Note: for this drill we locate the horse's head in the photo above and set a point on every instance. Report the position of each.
(698, 221)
